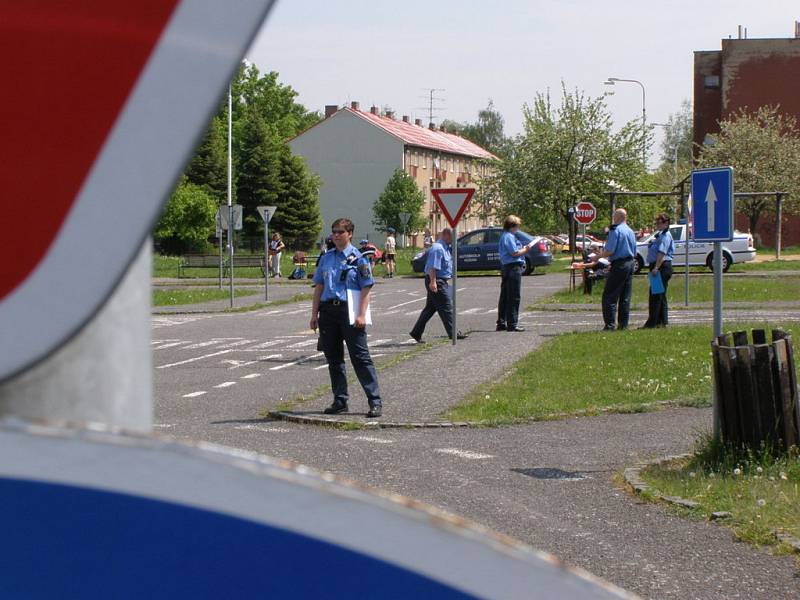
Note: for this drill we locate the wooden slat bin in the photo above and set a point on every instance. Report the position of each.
(756, 387)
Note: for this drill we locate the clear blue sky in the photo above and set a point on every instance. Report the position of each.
(386, 54)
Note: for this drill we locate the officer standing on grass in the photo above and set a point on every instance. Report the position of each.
(340, 269)
(512, 264)
(659, 260)
(438, 271)
(620, 249)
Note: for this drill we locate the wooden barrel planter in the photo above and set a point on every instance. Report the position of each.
(756, 388)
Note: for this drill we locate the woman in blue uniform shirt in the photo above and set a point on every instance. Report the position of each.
(343, 268)
(659, 260)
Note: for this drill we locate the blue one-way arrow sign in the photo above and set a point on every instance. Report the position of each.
(712, 194)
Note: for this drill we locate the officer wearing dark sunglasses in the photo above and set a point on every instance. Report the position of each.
(342, 268)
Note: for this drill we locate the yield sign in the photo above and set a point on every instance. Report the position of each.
(111, 98)
(453, 202)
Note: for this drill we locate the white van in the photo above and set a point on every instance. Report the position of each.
(739, 249)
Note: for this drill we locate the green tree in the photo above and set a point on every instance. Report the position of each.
(298, 216)
(678, 136)
(487, 132)
(187, 220)
(259, 170)
(209, 165)
(401, 195)
(763, 147)
(566, 154)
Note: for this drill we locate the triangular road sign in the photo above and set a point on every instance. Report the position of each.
(453, 202)
(266, 212)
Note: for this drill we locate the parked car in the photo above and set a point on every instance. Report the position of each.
(592, 243)
(479, 251)
(739, 249)
(559, 243)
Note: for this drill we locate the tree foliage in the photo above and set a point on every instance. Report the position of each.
(763, 147)
(209, 165)
(298, 216)
(566, 154)
(400, 195)
(188, 219)
(678, 135)
(487, 132)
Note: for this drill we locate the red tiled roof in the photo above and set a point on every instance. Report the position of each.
(422, 137)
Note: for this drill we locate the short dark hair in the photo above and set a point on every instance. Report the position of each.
(511, 221)
(345, 224)
(663, 217)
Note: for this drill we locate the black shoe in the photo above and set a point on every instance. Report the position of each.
(461, 336)
(335, 409)
(609, 328)
(375, 411)
(516, 328)
(417, 339)
(500, 328)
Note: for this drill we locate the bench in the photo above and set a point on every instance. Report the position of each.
(198, 261)
(249, 260)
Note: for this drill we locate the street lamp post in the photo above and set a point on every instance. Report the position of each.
(613, 81)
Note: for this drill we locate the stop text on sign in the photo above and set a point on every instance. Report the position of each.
(585, 213)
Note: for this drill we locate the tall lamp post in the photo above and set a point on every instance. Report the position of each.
(613, 81)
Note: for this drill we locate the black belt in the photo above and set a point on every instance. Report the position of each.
(334, 302)
(621, 260)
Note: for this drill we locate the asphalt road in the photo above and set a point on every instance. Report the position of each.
(549, 484)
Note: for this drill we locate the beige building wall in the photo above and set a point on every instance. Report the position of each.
(441, 170)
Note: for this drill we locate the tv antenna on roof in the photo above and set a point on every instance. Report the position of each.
(432, 100)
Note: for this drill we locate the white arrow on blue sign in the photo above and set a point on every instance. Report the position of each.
(712, 193)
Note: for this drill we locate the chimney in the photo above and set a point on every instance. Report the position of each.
(390, 114)
(797, 29)
(406, 119)
(354, 105)
(418, 122)
(432, 126)
(330, 109)
(373, 110)
(441, 127)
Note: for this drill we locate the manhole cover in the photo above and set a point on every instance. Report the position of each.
(546, 473)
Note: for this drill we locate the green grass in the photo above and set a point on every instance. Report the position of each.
(701, 289)
(180, 297)
(758, 489)
(770, 265)
(588, 372)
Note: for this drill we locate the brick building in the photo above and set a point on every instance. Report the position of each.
(748, 73)
(355, 153)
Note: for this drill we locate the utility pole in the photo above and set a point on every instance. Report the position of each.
(431, 100)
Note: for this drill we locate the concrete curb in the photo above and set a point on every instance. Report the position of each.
(633, 478)
(344, 423)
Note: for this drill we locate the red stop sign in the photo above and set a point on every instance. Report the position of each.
(585, 213)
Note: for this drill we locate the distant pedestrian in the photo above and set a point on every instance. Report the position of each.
(389, 252)
(660, 250)
(341, 269)
(620, 249)
(438, 271)
(276, 247)
(427, 239)
(512, 265)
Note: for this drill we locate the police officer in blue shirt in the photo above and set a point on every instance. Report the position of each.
(512, 265)
(340, 269)
(659, 259)
(438, 271)
(620, 249)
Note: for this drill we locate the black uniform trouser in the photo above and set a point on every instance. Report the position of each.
(437, 302)
(510, 295)
(658, 315)
(618, 290)
(335, 331)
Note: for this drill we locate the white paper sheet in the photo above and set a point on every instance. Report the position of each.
(353, 303)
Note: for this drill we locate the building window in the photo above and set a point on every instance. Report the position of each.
(425, 161)
(711, 81)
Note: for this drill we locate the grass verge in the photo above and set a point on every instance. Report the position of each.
(580, 373)
(758, 489)
(701, 289)
(181, 297)
(260, 305)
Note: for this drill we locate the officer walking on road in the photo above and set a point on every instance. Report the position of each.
(343, 268)
(620, 249)
(512, 264)
(659, 260)
(438, 271)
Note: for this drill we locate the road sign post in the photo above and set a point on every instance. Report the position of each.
(218, 219)
(266, 213)
(404, 219)
(453, 202)
(585, 214)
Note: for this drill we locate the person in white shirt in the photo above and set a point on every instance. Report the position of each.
(389, 252)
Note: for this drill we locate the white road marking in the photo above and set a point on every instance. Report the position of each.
(470, 311)
(296, 312)
(193, 394)
(162, 425)
(380, 342)
(251, 376)
(274, 312)
(263, 345)
(196, 358)
(169, 345)
(469, 455)
(262, 428)
(211, 342)
(155, 342)
(296, 362)
(237, 344)
(390, 312)
(411, 313)
(163, 321)
(325, 366)
(404, 303)
(303, 344)
(365, 438)
(225, 384)
(236, 364)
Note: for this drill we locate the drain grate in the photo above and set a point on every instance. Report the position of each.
(553, 474)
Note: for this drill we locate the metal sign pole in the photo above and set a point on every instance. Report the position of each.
(686, 254)
(219, 243)
(583, 250)
(455, 280)
(717, 289)
(230, 199)
(266, 257)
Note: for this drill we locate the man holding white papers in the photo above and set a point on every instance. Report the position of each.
(342, 274)
(659, 259)
(512, 264)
